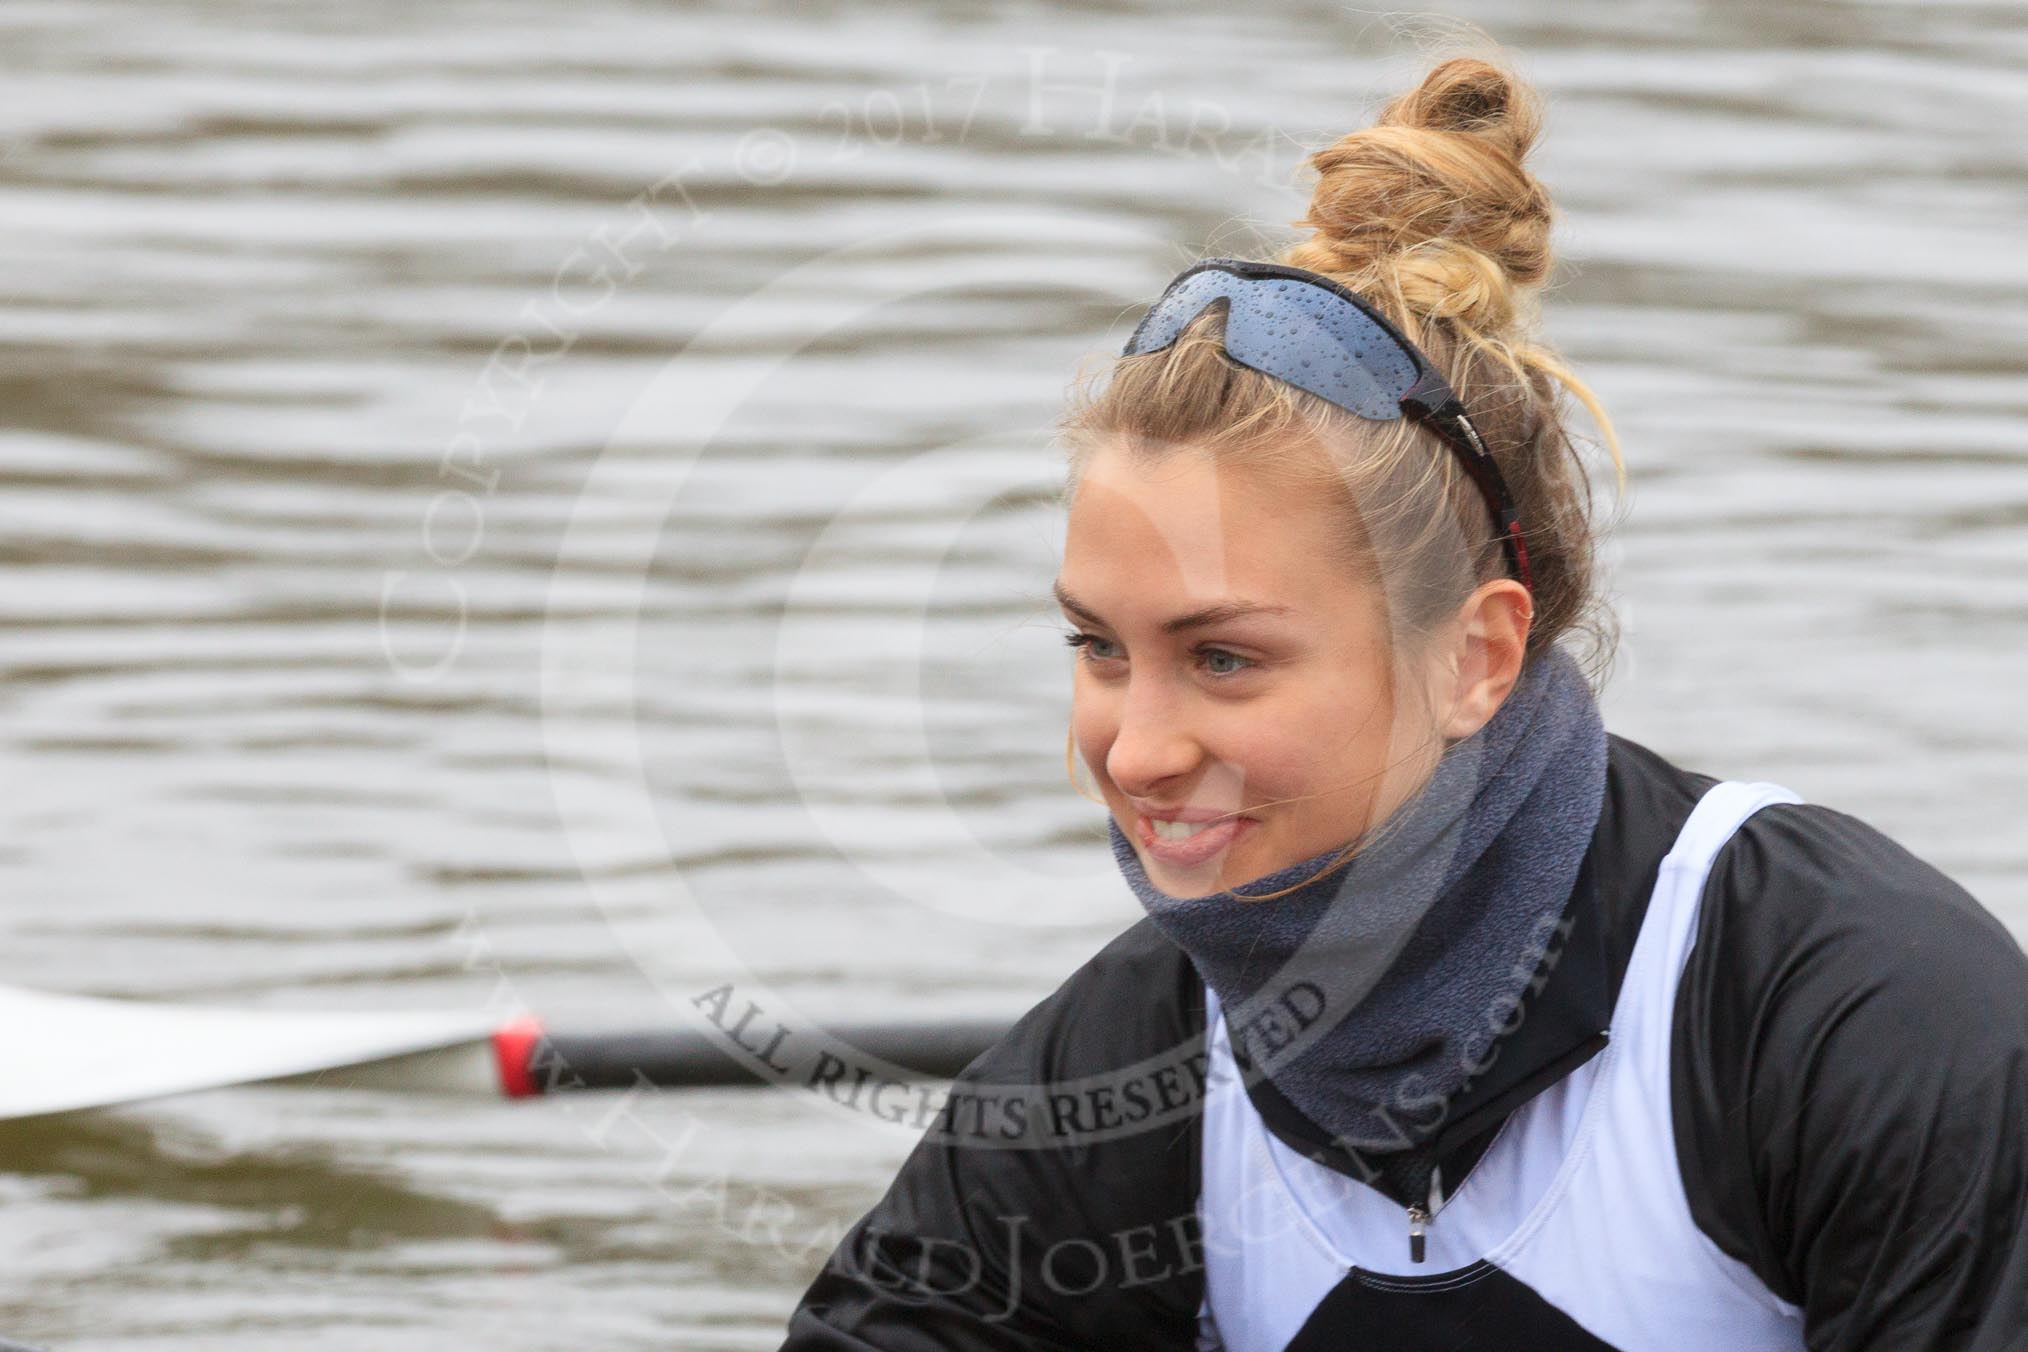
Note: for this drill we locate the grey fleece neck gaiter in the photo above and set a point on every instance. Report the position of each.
(1370, 994)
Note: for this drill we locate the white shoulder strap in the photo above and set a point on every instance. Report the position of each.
(1716, 817)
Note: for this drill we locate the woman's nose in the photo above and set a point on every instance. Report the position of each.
(1152, 744)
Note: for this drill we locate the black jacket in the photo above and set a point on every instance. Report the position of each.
(1849, 1082)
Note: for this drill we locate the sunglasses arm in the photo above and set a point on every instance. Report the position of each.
(1430, 401)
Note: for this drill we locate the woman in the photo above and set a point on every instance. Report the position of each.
(1455, 1021)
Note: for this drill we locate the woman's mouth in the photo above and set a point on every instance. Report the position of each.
(1193, 841)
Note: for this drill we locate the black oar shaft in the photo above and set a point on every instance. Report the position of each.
(684, 1059)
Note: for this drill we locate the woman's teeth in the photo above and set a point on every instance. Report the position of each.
(1176, 830)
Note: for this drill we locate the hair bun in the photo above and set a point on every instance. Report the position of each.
(1431, 204)
(1472, 96)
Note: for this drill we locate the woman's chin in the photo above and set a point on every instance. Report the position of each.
(1222, 872)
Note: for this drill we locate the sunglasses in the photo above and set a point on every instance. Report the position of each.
(1304, 328)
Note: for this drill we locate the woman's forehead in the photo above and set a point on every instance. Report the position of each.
(1214, 528)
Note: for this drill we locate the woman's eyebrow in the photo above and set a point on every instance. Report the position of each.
(1196, 619)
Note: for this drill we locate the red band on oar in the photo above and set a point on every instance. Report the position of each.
(513, 1045)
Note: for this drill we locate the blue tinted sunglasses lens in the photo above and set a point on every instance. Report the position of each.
(1295, 331)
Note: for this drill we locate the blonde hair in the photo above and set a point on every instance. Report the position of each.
(1430, 216)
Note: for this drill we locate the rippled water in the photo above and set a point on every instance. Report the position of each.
(551, 506)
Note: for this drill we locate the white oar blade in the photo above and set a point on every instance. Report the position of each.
(471, 1068)
(66, 1052)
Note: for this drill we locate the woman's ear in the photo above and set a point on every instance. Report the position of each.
(1485, 648)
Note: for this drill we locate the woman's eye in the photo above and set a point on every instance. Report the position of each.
(1219, 662)
(1094, 648)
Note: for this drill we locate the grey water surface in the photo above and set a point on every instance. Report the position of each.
(532, 506)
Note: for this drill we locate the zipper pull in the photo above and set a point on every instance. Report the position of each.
(1418, 1216)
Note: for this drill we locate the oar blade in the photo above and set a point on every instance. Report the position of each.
(67, 1052)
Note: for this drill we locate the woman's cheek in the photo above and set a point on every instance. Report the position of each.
(1274, 766)
(1278, 779)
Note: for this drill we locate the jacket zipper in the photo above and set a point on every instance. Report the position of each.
(1434, 1197)
(1419, 1216)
